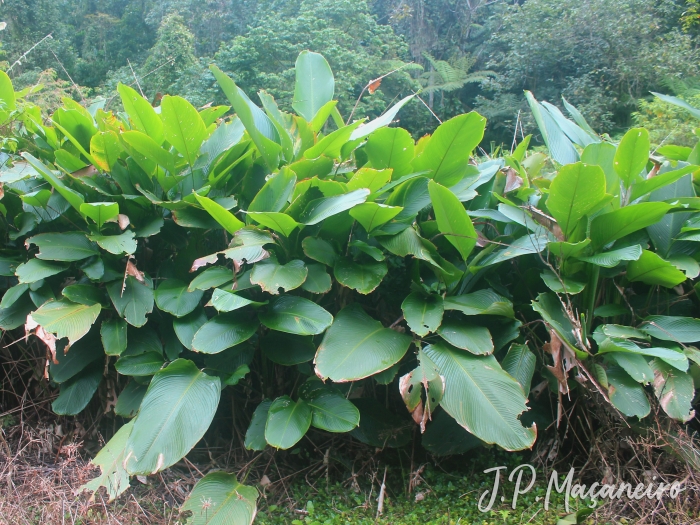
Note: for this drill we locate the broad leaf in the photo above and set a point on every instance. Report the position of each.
(614, 257)
(317, 280)
(73, 246)
(222, 332)
(133, 302)
(632, 155)
(287, 349)
(287, 422)
(275, 193)
(361, 277)
(211, 278)
(674, 390)
(520, 363)
(296, 315)
(319, 250)
(384, 120)
(372, 215)
(255, 435)
(219, 499)
(422, 312)
(271, 276)
(113, 334)
(482, 397)
(616, 224)
(652, 269)
(142, 115)
(130, 399)
(173, 297)
(391, 148)
(186, 327)
(483, 302)
(452, 219)
(280, 222)
(183, 127)
(225, 301)
(332, 412)
(117, 244)
(77, 392)
(320, 209)
(356, 346)
(177, 409)
(626, 394)
(228, 220)
(100, 212)
(669, 328)
(66, 318)
(314, 86)
(474, 339)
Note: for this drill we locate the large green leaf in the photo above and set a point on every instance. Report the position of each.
(317, 280)
(632, 155)
(356, 346)
(391, 148)
(296, 315)
(183, 127)
(66, 318)
(616, 224)
(142, 115)
(172, 297)
(560, 147)
(219, 499)
(614, 257)
(225, 301)
(186, 327)
(105, 150)
(331, 145)
(129, 399)
(228, 220)
(330, 410)
(575, 191)
(271, 276)
(372, 215)
(280, 222)
(73, 197)
(140, 365)
(76, 359)
(473, 338)
(177, 409)
(452, 219)
(7, 97)
(626, 394)
(211, 278)
(256, 123)
(13, 294)
(670, 328)
(320, 209)
(319, 250)
(674, 390)
(100, 212)
(361, 277)
(222, 332)
(117, 244)
(314, 86)
(675, 358)
(255, 435)
(275, 193)
(110, 459)
(133, 302)
(482, 397)
(77, 392)
(287, 422)
(652, 269)
(384, 120)
(446, 155)
(422, 312)
(143, 145)
(483, 302)
(635, 365)
(520, 363)
(667, 230)
(113, 334)
(73, 246)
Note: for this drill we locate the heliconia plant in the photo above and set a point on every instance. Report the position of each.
(177, 252)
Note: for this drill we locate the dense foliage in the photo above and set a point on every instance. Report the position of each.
(603, 55)
(310, 267)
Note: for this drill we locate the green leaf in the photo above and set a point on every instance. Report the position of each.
(382, 121)
(73, 197)
(670, 328)
(255, 435)
(105, 150)
(225, 301)
(652, 269)
(614, 257)
(626, 394)
(84, 294)
(13, 294)
(271, 276)
(674, 358)
(520, 363)
(287, 422)
(483, 302)
(256, 123)
(222, 332)
(444, 437)
(142, 115)
(183, 127)
(452, 219)
(482, 398)
(320, 209)
(140, 365)
(446, 155)
(391, 148)
(296, 315)
(275, 193)
(186, 327)
(314, 86)
(557, 142)
(632, 155)
(110, 459)
(635, 365)
(616, 224)
(333, 413)
(7, 97)
(145, 146)
(560, 284)
(361, 277)
(319, 250)
(177, 409)
(77, 392)
(117, 244)
(659, 181)
(228, 220)
(372, 215)
(78, 357)
(134, 302)
(228, 501)
(575, 191)
(422, 312)
(73, 246)
(211, 278)
(172, 297)
(408, 242)
(100, 212)
(16, 315)
(331, 145)
(317, 280)
(280, 222)
(67, 319)
(474, 339)
(287, 349)
(674, 390)
(356, 346)
(129, 400)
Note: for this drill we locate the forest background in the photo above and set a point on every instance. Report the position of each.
(604, 56)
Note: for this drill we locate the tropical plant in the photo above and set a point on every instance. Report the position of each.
(175, 253)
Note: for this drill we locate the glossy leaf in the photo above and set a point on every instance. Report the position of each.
(652, 269)
(361, 277)
(222, 332)
(66, 318)
(452, 219)
(423, 313)
(474, 339)
(314, 86)
(271, 276)
(632, 155)
(173, 297)
(142, 115)
(228, 502)
(296, 315)
(73, 246)
(133, 302)
(287, 422)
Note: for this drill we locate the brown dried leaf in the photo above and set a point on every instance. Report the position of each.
(513, 181)
(374, 85)
(88, 171)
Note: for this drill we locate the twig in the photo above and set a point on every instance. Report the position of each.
(378, 79)
(18, 61)
(137, 80)
(427, 106)
(380, 499)
(68, 75)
